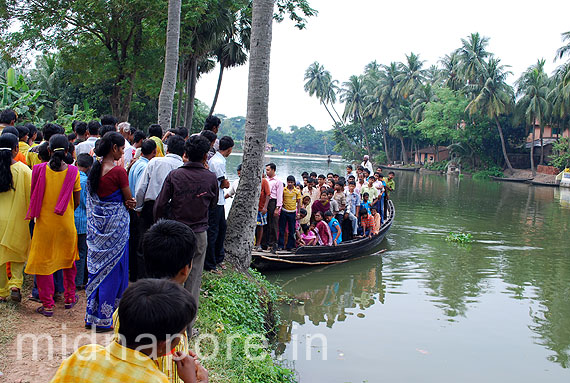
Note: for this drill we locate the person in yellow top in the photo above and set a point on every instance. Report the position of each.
(155, 134)
(49, 130)
(15, 179)
(55, 195)
(147, 331)
(168, 248)
(23, 134)
(288, 216)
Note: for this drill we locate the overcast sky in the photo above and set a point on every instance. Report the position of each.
(346, 35)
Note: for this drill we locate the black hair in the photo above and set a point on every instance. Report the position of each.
(365, 195)
(31, 129)
(211, 136)
(272, 166)
(381, 175)
(304, 174)
(22, 131)
(352, 183)
(211, 122)
(226, 142)
(366, 171)
(168, 246)
(93, 127)
(351, 176)
(107, 119)
(69, 156)
(147, 147)
(335, 175)
(104, 146)
(239, 168)
(328, 213)
(43, 152)
(330, 191)
(139, 135)
(303, 211)
(84, 160)
(349, 167)
(10, 141)
(58, 146)
(39, 137)
(104, 129)
(182, 132)
(196, 148)
(311, 180)
(81, 128)
(11, 130)
(154, 308)
(74, 125)
(313, 175)
(155, 131)
(51, 130)
(391, 173)
(71, 136)
(175, 145)
(321, 176)
(290, 179)
(360, 167)
(7, 116)
(330, 174)
(363, 211)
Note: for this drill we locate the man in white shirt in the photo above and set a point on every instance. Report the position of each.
(217, 216)
(367, 164)
(92, 135)
(233, 187)
(150, 183)
(127, 131)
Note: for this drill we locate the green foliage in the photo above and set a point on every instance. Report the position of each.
(442, 165)
(86, 114)
(493, 171)
(461, 238)
(561, 157)
(18, 95)
(235, 307)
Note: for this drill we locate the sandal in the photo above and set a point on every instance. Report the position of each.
(69, 305)
(45, 312)
(16, 295)
(34, 299)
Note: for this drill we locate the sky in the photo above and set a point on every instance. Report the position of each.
(347, 35)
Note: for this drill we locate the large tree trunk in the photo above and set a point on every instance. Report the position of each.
(181, 77)
(503, 146)
(338, 126)
(365, 137)
(404, 156)
(242, 218)
(190, 92)
(217, 90)
(384, 133)
(166, 97)
(532, 154)
(541, 145)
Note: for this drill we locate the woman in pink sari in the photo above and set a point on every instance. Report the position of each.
(323, 230)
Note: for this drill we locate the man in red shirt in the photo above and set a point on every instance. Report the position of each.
(262, 211)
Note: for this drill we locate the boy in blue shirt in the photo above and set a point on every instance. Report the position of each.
(365, 204)
(335, 228)
(84, 162)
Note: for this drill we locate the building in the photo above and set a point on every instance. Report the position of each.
(549, 137)
(429, 154)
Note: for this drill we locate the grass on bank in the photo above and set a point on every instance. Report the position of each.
(240, 311)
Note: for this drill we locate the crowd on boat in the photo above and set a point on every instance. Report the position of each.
(322, 210)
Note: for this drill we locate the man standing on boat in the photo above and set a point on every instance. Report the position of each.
(367, 164)
(273, 208)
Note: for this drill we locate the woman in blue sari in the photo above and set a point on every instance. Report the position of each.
(108, 199)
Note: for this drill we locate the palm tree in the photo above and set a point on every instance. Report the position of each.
(495, 98)
(472, 55)
(533, 87)
(423, 95)
(319, 82)
(353, 94)
(565, 49)
(434, 75)
(411, 75)
(451, 72)
(166, 97)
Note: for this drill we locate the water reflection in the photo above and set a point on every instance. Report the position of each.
(514, 280)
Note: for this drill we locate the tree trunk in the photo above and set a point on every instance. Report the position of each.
(181, 77)
(404, 159)
(242, 218)
(365, 138)
(190, 93)
(166, 97)
(541, 145)
(532, 154)
(384, 133)
(217, 90)
(339, 128)
(503, 146)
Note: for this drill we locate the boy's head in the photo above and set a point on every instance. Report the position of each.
(84, 162)
(330, 193)
(335, 177)
(321, 179)
(391, 175)
(365, 197)
(302, 213)
(366, 173)
(168, 248)
(153, 313)
(155, 131)
(351, 186)
(23, 133)
(330, 176)
(371, 180)
(364, 213)
(349, 169)
(313, 175)
(328, 216)
(306, 200)
(373, 211)
(311, 182)
(290, 182)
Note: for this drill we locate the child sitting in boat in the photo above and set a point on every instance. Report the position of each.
(335, 228)
(367, 223)
(377, 221)
(308, 236)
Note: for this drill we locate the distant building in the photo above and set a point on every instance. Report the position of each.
(429, 154)
(549, 137)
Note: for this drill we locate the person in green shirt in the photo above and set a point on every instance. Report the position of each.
(390, 183)
(371, 190)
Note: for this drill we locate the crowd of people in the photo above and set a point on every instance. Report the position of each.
(109, 204)
(322, 210)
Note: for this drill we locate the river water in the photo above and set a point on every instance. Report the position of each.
(496, 310)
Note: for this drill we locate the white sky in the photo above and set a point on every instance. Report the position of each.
(347, 35)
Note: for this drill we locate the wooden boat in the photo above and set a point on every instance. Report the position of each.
(519, 180)
(323, 255)
(536, 183)
(414, 169)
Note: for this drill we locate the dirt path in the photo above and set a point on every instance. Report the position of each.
(41, 343)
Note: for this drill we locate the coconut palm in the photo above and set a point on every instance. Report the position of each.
(451, 72)
(565, 49)
(533, 87)
(423, 95)
(495, 98)
(353, 94)
(411, 75)
(472, 56)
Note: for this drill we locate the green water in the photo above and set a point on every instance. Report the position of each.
(497, 310)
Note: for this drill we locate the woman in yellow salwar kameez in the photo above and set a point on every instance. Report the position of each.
(15, 178)
(54, 197)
